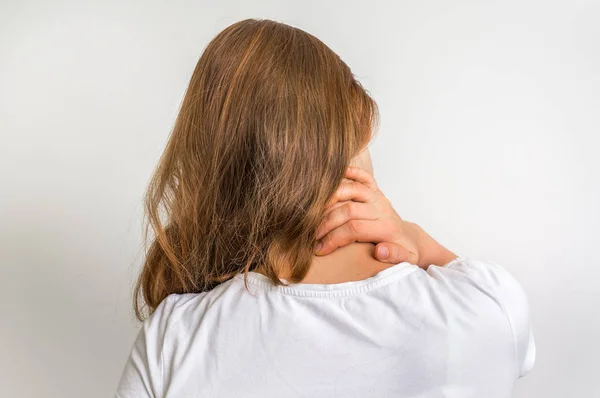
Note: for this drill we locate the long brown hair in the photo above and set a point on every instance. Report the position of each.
(270, 121)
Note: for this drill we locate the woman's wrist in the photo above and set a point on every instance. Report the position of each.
(432, 252)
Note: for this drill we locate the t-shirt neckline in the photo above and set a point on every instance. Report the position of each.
(341, 289)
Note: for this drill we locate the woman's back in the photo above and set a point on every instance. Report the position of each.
(461, 330)
(252, 180)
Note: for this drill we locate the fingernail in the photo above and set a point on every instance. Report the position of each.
(319, 247)
(383, 252)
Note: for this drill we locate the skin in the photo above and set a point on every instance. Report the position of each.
(359, 225)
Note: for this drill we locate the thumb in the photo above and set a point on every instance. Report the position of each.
(393, 253)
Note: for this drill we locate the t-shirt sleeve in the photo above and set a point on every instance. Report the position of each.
(142, 376)
(511, 296)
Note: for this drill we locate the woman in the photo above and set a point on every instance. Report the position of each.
(241, 304)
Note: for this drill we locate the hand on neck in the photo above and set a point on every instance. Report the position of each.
(349, 263)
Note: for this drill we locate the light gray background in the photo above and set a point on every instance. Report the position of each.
(489, 140)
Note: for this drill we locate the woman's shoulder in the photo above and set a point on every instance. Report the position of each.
(485, 274)
(496, 283)
(188, 307)
(171, 310)
(484, 277)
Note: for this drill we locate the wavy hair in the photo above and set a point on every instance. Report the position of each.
(270, 121)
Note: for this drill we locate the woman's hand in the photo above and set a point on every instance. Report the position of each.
(360, 212)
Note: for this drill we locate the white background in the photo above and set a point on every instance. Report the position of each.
(490, 114)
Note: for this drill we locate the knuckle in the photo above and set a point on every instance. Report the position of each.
(335, 196)
(350, 210)
(353, 226)
(329, 243)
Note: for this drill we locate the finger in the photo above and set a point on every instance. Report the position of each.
(334, 206)
(353, 231)
(342, 214)
(350, 190)
(393, 253)
(362, 176)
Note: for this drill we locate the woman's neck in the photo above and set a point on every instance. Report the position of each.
(353, 262)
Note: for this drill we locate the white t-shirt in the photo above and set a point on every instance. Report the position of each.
(462, 330)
